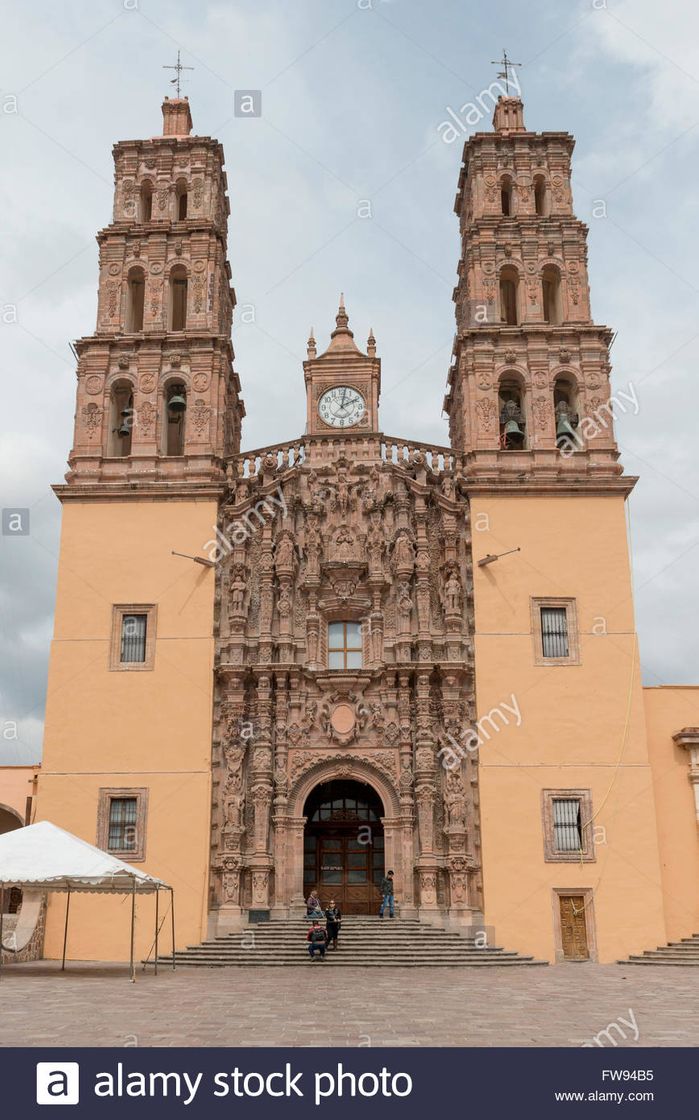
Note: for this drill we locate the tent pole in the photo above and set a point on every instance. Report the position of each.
(65, 931)
(157, 896)
(133, 929)
(2, 911)
(172, 916)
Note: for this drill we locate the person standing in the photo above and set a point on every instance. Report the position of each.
(317, 940)
(333, 917)
(387, 897)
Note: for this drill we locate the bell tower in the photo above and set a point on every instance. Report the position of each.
(130, 694)
(529, 364)
(531, 412)
(158, 403)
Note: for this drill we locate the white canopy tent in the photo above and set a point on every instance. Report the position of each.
(43, 857)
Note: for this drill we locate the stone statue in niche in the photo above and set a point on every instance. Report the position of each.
(284, 554)
(452, 593)
(404, 553)
(455, 799)
(237, 587)
(343, 545)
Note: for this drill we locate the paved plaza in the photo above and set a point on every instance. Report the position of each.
(316, 1005)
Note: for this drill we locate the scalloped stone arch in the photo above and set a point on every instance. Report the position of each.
(346, 766)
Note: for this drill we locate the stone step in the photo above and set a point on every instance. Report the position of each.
(346, 962)
(676, 953)
(365, 942)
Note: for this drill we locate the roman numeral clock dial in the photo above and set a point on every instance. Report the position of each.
(341, 407)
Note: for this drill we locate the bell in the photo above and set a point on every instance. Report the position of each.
(177, 402)
(565, 432)
(123, 429)
(513, 433)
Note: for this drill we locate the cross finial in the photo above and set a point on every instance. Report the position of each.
(507, 66)
(179, 68)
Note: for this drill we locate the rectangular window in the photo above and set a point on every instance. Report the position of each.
(555, 632)
(133, 636)
(567, 825)
(121, 822)
(344, 645)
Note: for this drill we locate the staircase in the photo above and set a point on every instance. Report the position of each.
(684, 952)
(364, 942)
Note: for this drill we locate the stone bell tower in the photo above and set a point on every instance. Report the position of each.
(158, 402)
(531, 412)
(127, 752)
(529, 363)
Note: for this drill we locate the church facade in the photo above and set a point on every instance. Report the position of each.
(302, 665)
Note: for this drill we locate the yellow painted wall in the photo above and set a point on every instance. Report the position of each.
(668, 710)
(132, 729)
(16, 785)
(572, 733)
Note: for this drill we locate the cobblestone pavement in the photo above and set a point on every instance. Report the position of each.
(566, 1005)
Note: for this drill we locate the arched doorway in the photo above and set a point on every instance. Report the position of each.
(343, 845)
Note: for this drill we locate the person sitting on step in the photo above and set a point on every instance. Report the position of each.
(313, 906)
(317, 940)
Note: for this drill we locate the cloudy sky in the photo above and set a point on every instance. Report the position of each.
(353, 92)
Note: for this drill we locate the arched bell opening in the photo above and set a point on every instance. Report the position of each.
(174, 418)
(343, 845)
(512, 422)
(566, 415)
(121, 412)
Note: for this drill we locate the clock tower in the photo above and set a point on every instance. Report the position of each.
(343, 384)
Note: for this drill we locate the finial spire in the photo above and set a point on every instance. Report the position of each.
(311, 345)
(371, 344)
(179, 68)
(342, 318)
(509, 78)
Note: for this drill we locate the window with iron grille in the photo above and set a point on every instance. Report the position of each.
(567, 824)
(123, 820)
(133, 637)
(554, 632)
(344, 645)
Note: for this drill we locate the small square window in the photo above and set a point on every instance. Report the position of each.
(555, 632)
(345, 645)
(567, 824)
(121, 822)
(133, 637)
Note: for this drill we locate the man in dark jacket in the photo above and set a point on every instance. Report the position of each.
(387, 899)
(317, 940)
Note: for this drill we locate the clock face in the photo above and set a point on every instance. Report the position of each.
(341, 407)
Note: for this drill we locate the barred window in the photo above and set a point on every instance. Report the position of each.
(123, 814)
(567, 824)
(133, 637)
(554, 632)
(344, 645)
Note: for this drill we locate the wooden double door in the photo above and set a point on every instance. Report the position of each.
(344, 847)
